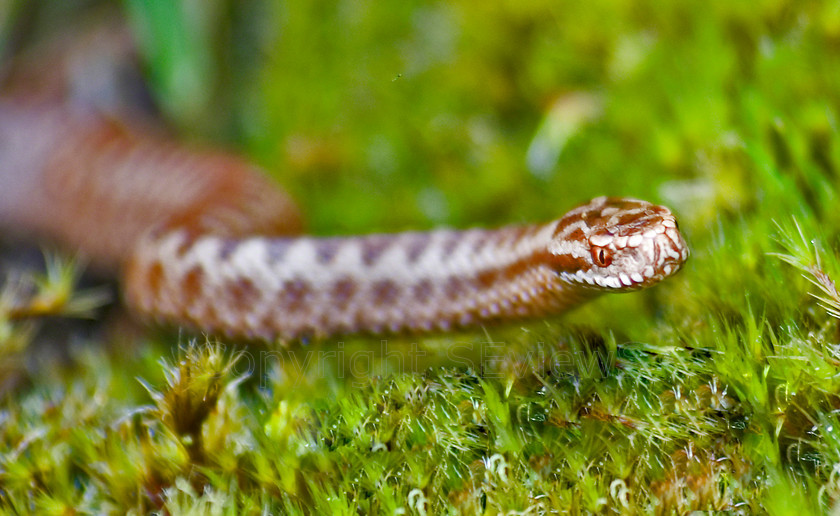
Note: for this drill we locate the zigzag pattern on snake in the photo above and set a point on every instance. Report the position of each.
(203, 239)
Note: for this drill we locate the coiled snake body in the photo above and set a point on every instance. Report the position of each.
(201, 238)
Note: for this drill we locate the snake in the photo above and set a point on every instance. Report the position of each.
(440, 280)
(203, 239)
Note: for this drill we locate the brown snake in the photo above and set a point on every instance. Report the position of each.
(203, 239)
(292, 287)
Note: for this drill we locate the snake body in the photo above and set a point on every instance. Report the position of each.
(417, 282)
(204, 239)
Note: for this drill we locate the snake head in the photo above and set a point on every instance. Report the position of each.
(617, 244)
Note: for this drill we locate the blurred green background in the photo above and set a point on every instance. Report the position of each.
(382, 116)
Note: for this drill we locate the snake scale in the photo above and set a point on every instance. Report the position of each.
(203, 239)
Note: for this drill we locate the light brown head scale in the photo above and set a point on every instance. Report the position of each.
(617, 244)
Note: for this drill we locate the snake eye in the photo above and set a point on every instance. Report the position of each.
(601, 256)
